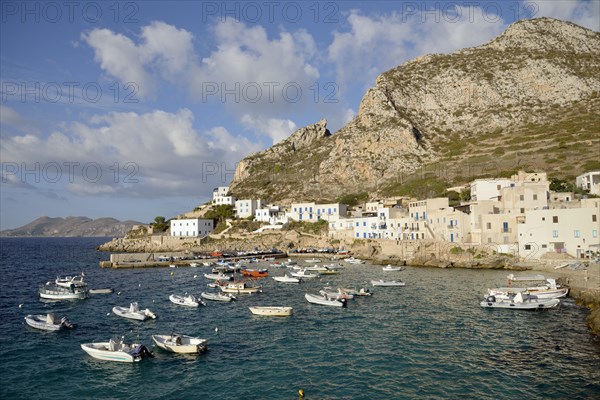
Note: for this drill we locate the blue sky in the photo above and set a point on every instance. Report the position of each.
(140, 108)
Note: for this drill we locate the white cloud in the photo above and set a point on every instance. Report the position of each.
(10, 117)
(276, 129)
(158, 154)
(163, 47)
(582, 12)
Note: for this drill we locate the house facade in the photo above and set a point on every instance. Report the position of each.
(192, 227)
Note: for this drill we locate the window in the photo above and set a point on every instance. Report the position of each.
(576, 233)
(594, 218)
(527, 247)
(365, 223)
(555, 219)
(521, 197)
(554, 234)
(488, 225)
(535, 196)
(498, 187)
(595, 233)
(544, 246)
(522, 211)
(543, 218)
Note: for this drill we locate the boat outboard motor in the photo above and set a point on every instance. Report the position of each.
(143, 352)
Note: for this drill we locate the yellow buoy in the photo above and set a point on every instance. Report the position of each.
(301, 393)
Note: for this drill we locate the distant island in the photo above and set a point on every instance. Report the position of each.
(71, 227)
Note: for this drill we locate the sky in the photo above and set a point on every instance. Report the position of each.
(135, 109)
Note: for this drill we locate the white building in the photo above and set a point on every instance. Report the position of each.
(193, 227)
(246, 208)
(488, 189)
(571, 230)
(312, 212)
(589, 181)
(220, 196)
(274, 215)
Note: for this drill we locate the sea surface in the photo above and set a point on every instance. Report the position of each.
(427, 340)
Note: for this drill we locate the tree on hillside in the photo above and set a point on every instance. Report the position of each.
(160, 224)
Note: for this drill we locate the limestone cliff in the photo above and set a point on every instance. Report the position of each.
(527, 99)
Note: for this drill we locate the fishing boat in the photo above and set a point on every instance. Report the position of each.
(185, 300)
(217, 296)
(117, 350)
(181, 344)
(304, 274)
(286, 279)
(389, 268)
(549, 291)
(311, 298)
(71, 280)
(56, 292)
(271, 311)
(381, 282)
(240, 288)
(48, 322)
(255, 273)
(133, 312)
(520, 301)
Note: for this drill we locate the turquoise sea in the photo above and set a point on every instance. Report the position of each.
(428, 340)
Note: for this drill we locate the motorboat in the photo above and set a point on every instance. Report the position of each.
(240, 288)
(520, 301)
(56, 292)
(255, 273)
(182, 344)
(102, 291)
(133, 312)
(328, 271)
(48, 322)
(194, 265)
(353, 260)
(117, 350)
(218, 277)
(71, 281)
(185, 300)
(360, 292)
(549, 291)
(304, 274)
(311, 298)
(316, 268)
(389, 268)
(338, 295)
(312, 260)
(217, 296)
(286, 279)
(381, 282)
(272, 311)
(520, 278)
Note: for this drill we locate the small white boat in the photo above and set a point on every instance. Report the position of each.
(172, 266)
(272, 311)
(56, 292)
(521, 278)
(74, 280)
(549, 291)
(389, 268)
(360, 292)
(218, 277)
(240, 288)
(48, 322)
(185, 300)
(194, 265)
(116, 350)
(353, 260)
(286, 279)
(520, 301)
(101, 291)
(182, 344)
(328, 294)
(217, 296)
(305, 274)
(381, 282)
(312, 260)
(311, 298)
(133, 312)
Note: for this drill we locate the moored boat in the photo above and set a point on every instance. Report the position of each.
(217, 296)
(304, 274)
(272, 311)
(218, 277)
(520, 301)
(328, 294)
(311, 298)
(133, 312)
(312, 260)
(389, 268)
(181, 344)
(116, 350)
(240, 288)
(48, 322)
(255, 273)
(286, 279)
(353, 260)
(381, 282)
(71, 281)
(56, 292)
(185, 300)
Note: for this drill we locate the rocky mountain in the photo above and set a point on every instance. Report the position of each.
(528, 99)
(72, 226)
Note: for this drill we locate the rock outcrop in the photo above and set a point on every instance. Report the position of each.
(529, 98)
